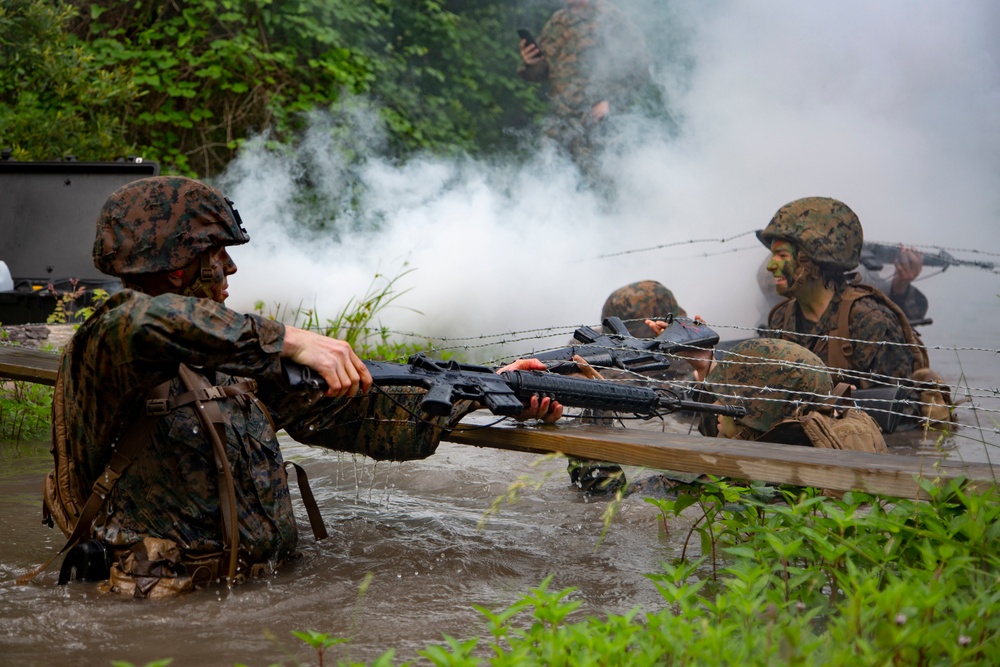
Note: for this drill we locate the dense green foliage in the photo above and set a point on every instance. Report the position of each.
(185, 83)
(56, 99)
(25, 410)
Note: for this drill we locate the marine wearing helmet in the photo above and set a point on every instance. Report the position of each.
(173, 401)
(639, 301)
(774, 379)
(161, 224)
(855, 329)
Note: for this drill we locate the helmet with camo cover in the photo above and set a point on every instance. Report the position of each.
(646, 299)
(825, 229)
(771, 378)
(163, 223)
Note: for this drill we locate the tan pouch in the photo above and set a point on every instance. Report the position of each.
(935, 399)
(852, 430)
(151, 569)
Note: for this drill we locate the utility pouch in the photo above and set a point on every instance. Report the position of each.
(852, 430)
(151, 569)
(87, 561)
(936, 404)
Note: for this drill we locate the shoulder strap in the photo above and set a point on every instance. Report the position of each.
(215, 425)
(786, 323)
(841, 350)
(123, 454)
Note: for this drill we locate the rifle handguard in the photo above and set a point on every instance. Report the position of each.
(507, 393)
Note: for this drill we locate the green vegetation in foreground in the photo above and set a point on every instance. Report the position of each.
(798, 579)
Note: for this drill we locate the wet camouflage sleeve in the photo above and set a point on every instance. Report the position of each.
(385, 424)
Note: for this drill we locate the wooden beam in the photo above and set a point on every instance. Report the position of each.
(25, 363)
(837, 470)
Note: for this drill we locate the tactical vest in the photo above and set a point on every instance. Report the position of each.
(935, 400)
(838, 346)
(67, 504)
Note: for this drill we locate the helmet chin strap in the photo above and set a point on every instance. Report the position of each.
(202, 285)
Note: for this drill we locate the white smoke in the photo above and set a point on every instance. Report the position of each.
(893, 107)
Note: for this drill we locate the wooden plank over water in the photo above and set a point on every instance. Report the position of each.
(25, 363)
(891, 475)
(761, 461)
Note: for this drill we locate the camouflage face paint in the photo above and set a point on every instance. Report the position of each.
(782, 265)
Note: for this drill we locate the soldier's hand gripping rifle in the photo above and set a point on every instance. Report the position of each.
(876, 255)
(506, 393)
(617, 348)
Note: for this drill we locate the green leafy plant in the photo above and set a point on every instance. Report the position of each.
(55, 94)
(76, 304)
(358, 322)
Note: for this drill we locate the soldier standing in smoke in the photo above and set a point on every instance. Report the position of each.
(594, 65)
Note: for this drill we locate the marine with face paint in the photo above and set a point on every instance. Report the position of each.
(814, 242)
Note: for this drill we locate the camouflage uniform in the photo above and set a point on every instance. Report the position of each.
(870, 320)
(591, 54)
(829, 233)
(134, 342)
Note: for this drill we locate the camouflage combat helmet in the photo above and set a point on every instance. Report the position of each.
(778, 371)
(639, 301)
(825, 229)
(163, 223)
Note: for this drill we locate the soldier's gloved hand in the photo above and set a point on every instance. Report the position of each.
(333, 359)
(547, 410)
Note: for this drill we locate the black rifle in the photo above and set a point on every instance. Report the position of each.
(617, 348)
(876, 255)
(448, 382)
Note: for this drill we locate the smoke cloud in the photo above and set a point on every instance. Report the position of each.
(893, 107)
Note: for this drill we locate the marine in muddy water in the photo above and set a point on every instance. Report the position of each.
(858, 332)
(635, 304)
(167, 403)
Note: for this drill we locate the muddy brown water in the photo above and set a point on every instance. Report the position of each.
(412, 529)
